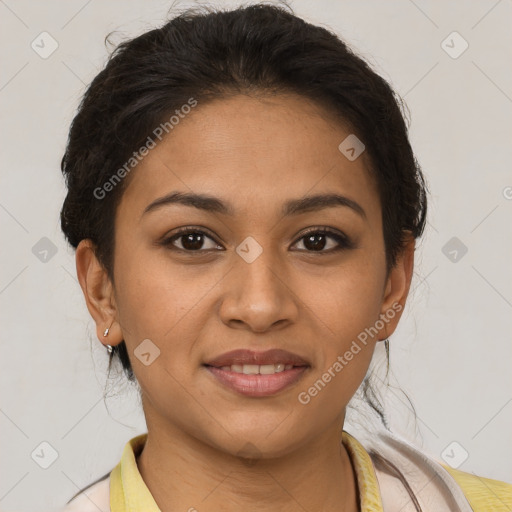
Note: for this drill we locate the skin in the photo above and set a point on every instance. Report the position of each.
(255, 153)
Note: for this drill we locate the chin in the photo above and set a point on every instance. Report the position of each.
(259, 439)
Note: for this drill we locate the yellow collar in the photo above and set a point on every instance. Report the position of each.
(129, 493)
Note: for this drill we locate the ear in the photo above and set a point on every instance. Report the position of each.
(98, 292)
(396, 289)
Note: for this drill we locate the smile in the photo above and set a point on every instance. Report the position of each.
(257, 380)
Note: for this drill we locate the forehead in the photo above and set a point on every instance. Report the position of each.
(254, 152)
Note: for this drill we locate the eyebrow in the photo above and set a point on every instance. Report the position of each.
(290, 207)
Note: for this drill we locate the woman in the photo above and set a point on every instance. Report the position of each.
(244, 203)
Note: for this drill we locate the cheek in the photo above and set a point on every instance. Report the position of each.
(349, 308)
(148, 299)
(160, 300)
(348, 299)
(348, 305)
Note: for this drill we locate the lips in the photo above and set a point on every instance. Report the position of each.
(257, 385)
(257, 374)
(250, 357)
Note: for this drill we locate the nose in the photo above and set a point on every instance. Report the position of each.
(258, 295)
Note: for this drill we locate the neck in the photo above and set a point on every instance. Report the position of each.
(184, 473)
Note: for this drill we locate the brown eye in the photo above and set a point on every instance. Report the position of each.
(191, 240)
(317, 240)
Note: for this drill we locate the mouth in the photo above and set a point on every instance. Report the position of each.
(255, 369)
(257, 374)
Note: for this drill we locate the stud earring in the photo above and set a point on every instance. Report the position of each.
(105, 334)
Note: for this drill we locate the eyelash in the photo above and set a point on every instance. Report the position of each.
(344, 241)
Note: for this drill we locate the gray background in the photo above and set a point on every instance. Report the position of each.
(452, 351)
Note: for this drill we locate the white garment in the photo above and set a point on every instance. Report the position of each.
(432, 486)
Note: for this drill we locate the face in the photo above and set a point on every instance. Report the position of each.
(258, 268)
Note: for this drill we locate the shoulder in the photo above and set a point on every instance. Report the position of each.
(95, 498)
(483, 494)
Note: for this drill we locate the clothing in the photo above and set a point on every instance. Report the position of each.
(436, 487)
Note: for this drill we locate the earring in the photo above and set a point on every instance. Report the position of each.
(105, 334)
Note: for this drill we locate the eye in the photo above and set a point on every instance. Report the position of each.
(190, 240)
(316, 240)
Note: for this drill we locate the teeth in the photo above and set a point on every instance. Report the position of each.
(250, 369)
(269, 369)
(254, 369)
